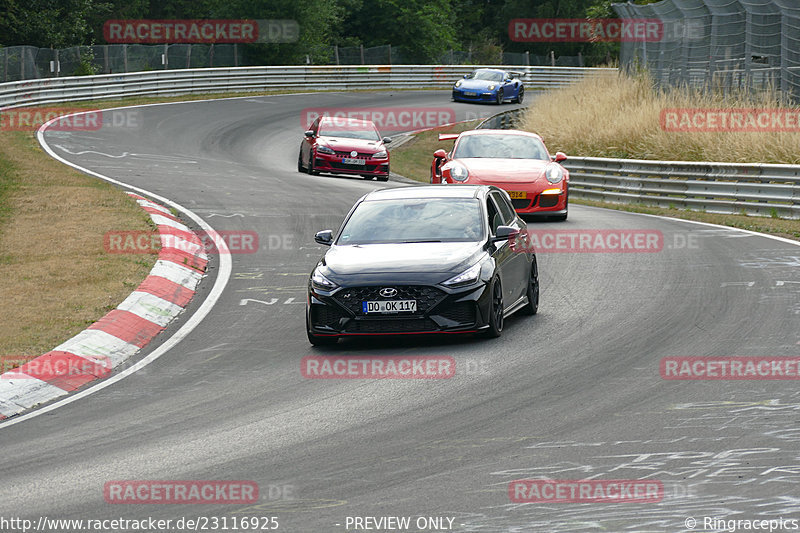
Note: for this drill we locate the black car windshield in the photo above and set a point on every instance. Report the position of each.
(488, 75)
(500, 146)
(350, 131)
(414, 220)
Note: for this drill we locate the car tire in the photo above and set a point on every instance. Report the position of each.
(532, 307)
(521, 95)
(310, 167)
(500, 97)
(383, 178)
(319, 340)
(300, 161)
(496, 311)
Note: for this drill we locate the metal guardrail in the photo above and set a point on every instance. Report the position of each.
(243, 79)
(725, 188)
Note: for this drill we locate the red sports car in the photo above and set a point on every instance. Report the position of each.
(516, 161)
(340, 145)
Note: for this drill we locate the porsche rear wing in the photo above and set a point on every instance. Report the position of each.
(516, 74)
(448, 136)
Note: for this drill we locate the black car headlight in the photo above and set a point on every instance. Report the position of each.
(553, 173)
(380, 155)
(320, 282)
(325, 150)
(467, 277)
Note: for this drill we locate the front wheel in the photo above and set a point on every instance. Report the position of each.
(500, 96)
(383, 178)
(521, 95)
(310, 167)
(300, 161)
(496, 311)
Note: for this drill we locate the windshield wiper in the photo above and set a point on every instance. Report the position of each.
(422, 240)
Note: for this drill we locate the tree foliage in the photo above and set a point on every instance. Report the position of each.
(422, 31)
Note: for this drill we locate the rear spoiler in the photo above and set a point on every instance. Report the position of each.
(448, 136)
(517, 74)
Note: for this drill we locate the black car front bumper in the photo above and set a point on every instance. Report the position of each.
(439, 310)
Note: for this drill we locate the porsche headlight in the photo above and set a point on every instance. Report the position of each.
(320, 282)
(491, 87)
(553, 173)
(459, 82)
(325, 150)
(459, 172)
(470, 275)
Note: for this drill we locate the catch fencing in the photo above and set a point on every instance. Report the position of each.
(726, 45)
(19, 63)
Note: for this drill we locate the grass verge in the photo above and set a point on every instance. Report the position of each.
(57, 277)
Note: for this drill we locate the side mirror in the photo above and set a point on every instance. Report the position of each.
(324, 237)
(559, 157)
(466, 76)
(504, 233)
(309, 134)
(387, 140)
(440, 154)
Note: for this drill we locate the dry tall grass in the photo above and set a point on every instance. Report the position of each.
(615, 115)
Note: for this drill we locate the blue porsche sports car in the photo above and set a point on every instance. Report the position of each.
(489, 85)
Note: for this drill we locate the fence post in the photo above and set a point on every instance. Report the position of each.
(527, 58)
(105, 60)
(390, 54)
(58, 67)
(166, 56)
(124, 58)
(189, 56)
(211, 56)
(336, 53)
(362, 54)
(5, 64)
(580, 59)
(235, 55)
(552, 58)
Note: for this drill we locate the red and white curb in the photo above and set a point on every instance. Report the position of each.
(122, 332)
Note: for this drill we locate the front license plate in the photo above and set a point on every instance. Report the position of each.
(351, 161)
(390, 306)
(518, 195)
(469, 93)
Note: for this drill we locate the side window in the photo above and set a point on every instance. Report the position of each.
(495, 219)
(506, 211)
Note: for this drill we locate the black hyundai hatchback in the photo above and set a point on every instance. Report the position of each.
(422, 260)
